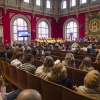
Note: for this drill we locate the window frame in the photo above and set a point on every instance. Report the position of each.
(26, 1)
(62, 4)
(37, 4)
(49, 26)
(71, 4)
(64, 27)
(46, 4)
(11, 26)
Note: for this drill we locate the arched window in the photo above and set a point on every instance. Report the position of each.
(19, 25)
(48, 3)
(38, 2)
(43, 30)
(64, 4)
(71, 31)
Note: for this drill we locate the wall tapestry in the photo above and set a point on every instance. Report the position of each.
(92, 24)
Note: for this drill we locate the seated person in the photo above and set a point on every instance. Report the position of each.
(7, 96)
(9, 54)
(85, 47)
(19, 59)
(28, 65)
(91, 85)
(86, 64)
(29, 94)
(35, 53)
(75, 45)
(59, 75)
(44, 70)
(91, 45)
(69, 60)
(46, 53)
(98, 58)
(88, 52)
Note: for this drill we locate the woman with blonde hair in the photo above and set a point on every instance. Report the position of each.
(69, 60)
(86, 64)
(44, 70)
(98, 58)
(59, 75)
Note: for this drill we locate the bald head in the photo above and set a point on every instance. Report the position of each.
(29, 94)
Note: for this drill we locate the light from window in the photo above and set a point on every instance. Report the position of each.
(43, 30)
(83, 1)
(71, 31)
(73, 2)
(64, 4)
(19, 24)
(27, 1)
(38, 2)
(48, 4)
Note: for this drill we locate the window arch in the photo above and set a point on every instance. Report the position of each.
(19, 25)
(16, 25)
(48, 3)
(43, 30)
(71, 30)
(64, 4)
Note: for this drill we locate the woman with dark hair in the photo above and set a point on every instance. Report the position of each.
(86, 64)
(59, 75)
(44, 70)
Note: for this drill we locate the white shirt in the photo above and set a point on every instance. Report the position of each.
(16, 62)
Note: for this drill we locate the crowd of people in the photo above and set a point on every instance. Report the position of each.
(23, 55)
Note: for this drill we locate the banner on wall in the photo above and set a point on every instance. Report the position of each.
(92, 24)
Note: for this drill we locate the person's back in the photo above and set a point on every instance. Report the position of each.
(91, 85)
(9, 54)
(29, 94)
(28, 65)
(19, 59)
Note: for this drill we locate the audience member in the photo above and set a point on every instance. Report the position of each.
(35, 53)
(59, 75)
(19, 59)
(86, 64)
(98, 58)
(9, 54)
(44, 70)
(29, 94)
(46, 53)
(69, 60)
(28, 65)
(7, 96)
(91, 85)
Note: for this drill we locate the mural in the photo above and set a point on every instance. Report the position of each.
(92, 24)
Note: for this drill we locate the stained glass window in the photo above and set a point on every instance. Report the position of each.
(71, 31)
(64, 4)
(43, 30)
(27, 1)
(48, 3)
(19, 24)
(38, 2)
